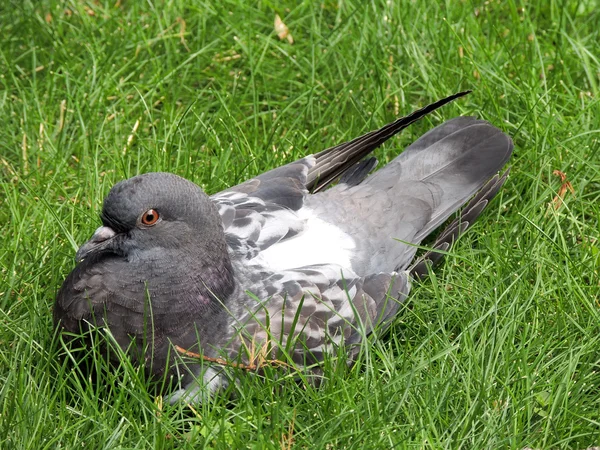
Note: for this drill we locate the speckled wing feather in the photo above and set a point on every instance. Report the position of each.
(316, 309)
(262, 211)
(301, 315)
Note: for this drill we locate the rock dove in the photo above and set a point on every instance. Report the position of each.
(304, 258)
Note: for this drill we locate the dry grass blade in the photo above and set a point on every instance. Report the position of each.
(566, 185)
(257, 364)
(282, 30)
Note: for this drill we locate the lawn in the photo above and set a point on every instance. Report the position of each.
(498, 349)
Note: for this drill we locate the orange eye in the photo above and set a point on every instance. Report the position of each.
(150, 217)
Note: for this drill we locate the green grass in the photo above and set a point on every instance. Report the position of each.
(499, 349)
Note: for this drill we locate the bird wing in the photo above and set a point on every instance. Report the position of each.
(313, 310)
(456, 158)
(263, 211)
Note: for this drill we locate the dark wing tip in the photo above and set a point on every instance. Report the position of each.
(333, 162)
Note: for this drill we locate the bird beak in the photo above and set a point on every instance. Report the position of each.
(98, 241)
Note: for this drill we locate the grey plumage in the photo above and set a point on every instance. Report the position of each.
(268, 261)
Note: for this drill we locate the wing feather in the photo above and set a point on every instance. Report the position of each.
(316, 309)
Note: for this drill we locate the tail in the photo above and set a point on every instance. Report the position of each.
(458, 226)
(456, 159)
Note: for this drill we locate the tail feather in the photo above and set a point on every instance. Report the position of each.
(458, 226)
(458, 157)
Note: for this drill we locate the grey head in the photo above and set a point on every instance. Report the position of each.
(154, 212)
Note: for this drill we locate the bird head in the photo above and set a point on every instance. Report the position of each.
(154, 212)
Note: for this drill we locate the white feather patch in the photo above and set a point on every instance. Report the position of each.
(319, 243)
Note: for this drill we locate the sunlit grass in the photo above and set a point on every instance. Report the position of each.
(498, 349)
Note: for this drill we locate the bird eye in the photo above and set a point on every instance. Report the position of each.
(150, 217)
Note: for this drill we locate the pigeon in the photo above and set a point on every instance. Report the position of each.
(304, 260)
